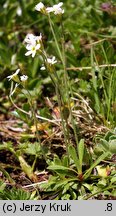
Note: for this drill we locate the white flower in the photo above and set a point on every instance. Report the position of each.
(56, 9)
(52, 60)
(49, 9)
(33, 44)
(5, 5)
(19, 11)
(39, 6)
(32, 49)
(13, 76)
(49, 61)
(42, 67)
(13, 59)
(23, 78)
(30, 39)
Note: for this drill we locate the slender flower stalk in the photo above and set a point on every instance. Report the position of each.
(62, 58)
(29, 96)
(13, 90)
(55, 39)
(67, 84)
(55, 79)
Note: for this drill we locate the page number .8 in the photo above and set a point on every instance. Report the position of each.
(109, 207)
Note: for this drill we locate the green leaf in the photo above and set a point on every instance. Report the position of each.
(30, 149)
(66, 197)
(73, 154)
(102, 183)
(102, 157)
(105, 144)
(27, 168)
(108, 135)
(16, 194)
(57, 160)
(5, 173)
(88, 186)
(112, 146)
(81, 152)
(2, 186)
(113, 193)
(65, 161)
(63, 170)
(113, 180)
(113, 137)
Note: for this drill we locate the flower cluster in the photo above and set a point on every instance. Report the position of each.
(56, 9)
(17, 79)
(33, 44)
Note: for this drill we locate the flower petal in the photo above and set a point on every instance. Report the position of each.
(28, 53)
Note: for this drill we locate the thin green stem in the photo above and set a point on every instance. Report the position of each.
(110, 84)
(66, 79)
(34, 162)
(55, 39)
(67, 85)
(55, 80)
(97, 102)
(104, 90)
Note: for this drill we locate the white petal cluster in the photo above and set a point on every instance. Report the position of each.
(19, 11)
(15, 78)
(23, 78)
(33, 44)
(30, 39)
(56, 9)
(50, 62)
(40, 6)
(11, 77)
(32, 50)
